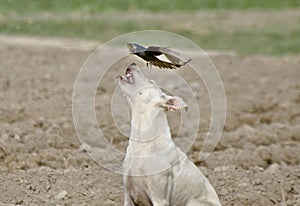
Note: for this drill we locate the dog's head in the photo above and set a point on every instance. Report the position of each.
(144, 92)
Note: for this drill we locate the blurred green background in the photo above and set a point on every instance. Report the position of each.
(267, 27)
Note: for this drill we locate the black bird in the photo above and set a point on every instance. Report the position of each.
(150, 56)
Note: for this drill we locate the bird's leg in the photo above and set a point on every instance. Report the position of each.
(150, 64)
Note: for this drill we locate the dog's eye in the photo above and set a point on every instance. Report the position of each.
(140, 93)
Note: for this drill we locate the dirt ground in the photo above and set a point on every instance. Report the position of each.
(42, 162)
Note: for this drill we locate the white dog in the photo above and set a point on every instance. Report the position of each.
(156, 172)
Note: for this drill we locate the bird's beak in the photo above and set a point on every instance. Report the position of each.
(130, 47)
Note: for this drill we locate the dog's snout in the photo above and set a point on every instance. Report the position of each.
(132, 64)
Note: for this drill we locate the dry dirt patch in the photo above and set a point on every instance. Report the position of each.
(42, 163)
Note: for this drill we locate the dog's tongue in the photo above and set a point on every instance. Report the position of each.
(129, 75)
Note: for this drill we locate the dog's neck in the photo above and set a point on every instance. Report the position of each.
(150, 131)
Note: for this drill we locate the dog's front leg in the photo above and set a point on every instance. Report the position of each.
(160, 188)
(128, 200)
(127, 197)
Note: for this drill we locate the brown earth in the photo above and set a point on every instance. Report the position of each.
(42, 162)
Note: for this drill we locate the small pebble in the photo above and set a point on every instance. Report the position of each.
(17, 137)
(273, 168)
(257, 182)
(223, 192)
(61, 195)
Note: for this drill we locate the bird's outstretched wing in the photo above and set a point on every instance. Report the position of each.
(170, 55)
(162, 64)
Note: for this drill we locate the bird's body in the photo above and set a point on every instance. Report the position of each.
(151, 53)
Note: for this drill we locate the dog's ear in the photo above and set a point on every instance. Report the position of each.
(174, 103)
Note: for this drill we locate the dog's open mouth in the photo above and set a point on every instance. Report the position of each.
(128, 77)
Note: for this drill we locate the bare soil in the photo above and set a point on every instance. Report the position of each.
(42, 162)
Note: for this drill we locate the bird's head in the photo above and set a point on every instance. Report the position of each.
(135, 48)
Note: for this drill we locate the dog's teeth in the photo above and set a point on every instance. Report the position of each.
(128, 75)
